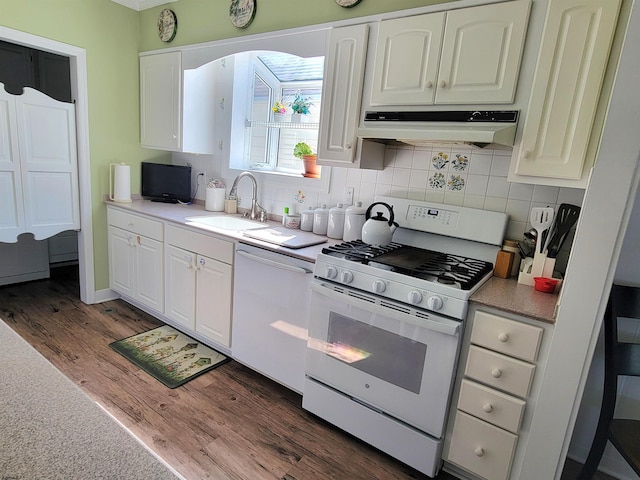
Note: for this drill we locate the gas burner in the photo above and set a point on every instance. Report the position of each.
(358, 251)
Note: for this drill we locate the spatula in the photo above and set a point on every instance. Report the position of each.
(565, 219)
(541, 219)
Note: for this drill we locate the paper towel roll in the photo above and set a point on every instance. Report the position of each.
(121, 191)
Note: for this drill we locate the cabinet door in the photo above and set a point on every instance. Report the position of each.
(121, 264)
(149, 272)
(481, 53)
(571, 65)
(213, 300)
(160, 101)
(342, 93)
(180, 296)
(11, 213)
(406, 62)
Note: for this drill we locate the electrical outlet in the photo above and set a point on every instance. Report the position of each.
(348, 195)
(202, 178)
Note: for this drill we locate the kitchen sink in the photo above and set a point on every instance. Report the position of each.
(224, 222)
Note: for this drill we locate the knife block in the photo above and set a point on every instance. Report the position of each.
(541, 267)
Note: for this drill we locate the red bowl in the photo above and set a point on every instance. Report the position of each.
(544, 284)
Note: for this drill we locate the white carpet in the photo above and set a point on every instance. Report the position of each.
(50, 429)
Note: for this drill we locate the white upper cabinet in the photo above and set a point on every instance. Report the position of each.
(344, 68)
(176, 106)
(38, 166)
(466, 56)
(558, 128)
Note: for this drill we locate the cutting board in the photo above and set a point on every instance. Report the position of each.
(286, 237)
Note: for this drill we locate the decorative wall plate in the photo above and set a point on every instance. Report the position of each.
(167, 25)
(348, 3)
(241, 12)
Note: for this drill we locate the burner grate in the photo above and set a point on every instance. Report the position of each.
(358, 251)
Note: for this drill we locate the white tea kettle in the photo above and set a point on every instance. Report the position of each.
(378, 230)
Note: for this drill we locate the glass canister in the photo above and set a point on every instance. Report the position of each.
(335, 227)
(306, 219)
(321, 220)
(354, 219)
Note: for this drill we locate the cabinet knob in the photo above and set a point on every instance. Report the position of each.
(503, 337)
(496, 373)
(348, 146)
(526, 154)
(442, 84)
(479, 451)
(429, 84)
(487, 407)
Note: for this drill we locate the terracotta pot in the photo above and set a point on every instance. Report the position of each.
(310, 167)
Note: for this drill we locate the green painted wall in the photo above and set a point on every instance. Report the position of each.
(112, 36)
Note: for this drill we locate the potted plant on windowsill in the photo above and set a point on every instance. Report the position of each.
(304, 152)
(300, 107)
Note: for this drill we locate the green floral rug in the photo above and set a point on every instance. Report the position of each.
(168, 355)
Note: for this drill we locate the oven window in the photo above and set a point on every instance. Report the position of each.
(390, 357)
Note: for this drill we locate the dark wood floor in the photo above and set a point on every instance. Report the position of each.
(230, 423)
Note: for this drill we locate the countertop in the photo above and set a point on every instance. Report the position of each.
(509, 295)
(178, 213)
(504, 294)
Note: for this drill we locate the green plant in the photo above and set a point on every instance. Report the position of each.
(301, 104)
(301, 149)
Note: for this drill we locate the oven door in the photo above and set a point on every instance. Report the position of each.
(389, 356)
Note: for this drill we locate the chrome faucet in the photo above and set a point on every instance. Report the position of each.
(256, 212)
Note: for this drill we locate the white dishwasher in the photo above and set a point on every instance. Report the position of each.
(271, 296)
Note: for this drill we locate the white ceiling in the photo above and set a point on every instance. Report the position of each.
(142, 4)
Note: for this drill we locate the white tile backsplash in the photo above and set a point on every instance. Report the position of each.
(452, 174)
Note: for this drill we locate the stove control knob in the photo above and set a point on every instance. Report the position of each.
(379, 286)
(434, 303)
(331, 272)
(347, 277)
(415, 297)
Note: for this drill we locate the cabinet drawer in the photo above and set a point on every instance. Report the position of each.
(135, 223)
(491, 405)
(206, 245)
(481, 448)
(506, 336)
(506, 373)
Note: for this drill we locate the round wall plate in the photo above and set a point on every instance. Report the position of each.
(348, 3)
(167, 25)
(241, 12)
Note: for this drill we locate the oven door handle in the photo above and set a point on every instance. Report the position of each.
(442, 325)
(273, 263)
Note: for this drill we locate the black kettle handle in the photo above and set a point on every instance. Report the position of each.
(389, 207)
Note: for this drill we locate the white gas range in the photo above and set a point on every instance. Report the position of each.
(386, 325)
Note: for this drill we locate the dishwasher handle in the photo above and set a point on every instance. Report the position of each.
(273, 263)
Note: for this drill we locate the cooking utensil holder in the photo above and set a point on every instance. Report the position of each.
(214, 199)
(542, 266)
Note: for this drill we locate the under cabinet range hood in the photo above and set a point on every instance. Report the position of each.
(424, 127)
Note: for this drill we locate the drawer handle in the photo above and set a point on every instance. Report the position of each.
(479, 451)
(503, 337)
(487, 407)
(496, 373)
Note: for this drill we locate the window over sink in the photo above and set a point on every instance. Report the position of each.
(262, 139)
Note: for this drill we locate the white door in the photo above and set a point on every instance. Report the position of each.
(481, 53)
(149, 272)
(342, 93)
(47, 143)
(121, 264)
(11, 213)
(181, 286)
(160, 101)
(406, 62)
(213, 300)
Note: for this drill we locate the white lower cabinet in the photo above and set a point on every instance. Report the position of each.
(495, 387)
(136, 258)
(199, 279)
